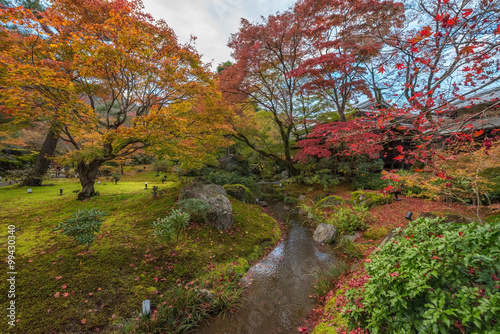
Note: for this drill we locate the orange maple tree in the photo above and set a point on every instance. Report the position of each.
(111, 79)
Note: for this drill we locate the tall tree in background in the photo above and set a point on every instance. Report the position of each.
(344, 35)
(446, 51)
(12, 37)
(264, 55)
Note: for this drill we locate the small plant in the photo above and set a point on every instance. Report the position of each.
(327, 278)
(290, 200)
(157, 193)
(195, 207)
(350, 220)
(322, 177)
(349, 248)
(170, 226)
(83, 226)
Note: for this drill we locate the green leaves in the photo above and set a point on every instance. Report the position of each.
(83, 226)
(434, 277)
(170, 226)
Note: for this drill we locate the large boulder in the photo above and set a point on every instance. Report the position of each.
(325, 233)
(220, 213)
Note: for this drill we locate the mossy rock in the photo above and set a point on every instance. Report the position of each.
(375, 233)
(370, 199)
(240, 192)
(330, 201)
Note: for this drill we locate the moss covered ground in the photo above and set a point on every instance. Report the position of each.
(60, 287)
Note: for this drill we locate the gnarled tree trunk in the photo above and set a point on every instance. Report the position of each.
(42, 161)
(88, 174)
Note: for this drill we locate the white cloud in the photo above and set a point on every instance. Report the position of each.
(211, 21)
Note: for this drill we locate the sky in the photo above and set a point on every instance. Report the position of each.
(211, 21)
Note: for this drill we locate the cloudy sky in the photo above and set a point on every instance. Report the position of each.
(211, 21)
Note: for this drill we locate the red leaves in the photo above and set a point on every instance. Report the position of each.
(497, 30)
(302, 329)
(399, 157)
(467, 12)
(381, 69)
(426, 32)
(400, 66)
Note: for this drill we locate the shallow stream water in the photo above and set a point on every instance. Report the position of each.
(278, 290)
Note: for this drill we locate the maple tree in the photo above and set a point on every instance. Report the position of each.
(264, 54)
(343, 36)
(111, 78)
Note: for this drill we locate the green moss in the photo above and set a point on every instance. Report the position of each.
(125, 258)
(240, 192)
(370, 199)
(330, 201)
(375, 233)
(335, 319)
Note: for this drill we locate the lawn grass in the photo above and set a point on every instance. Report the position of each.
(62, 288)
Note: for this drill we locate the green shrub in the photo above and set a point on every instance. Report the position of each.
(433, 278)
(195, 207)
(350, 220)
(350, 248)
(83, 226)
(170, 226)
(370, 199)
(323, 177)
(369, 181)
(156, 192)
(290, 200)
(222, 177)
(161, 166)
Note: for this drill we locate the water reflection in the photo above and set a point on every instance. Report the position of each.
(279, 286)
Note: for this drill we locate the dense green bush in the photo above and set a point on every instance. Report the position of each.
(170, 226)
(222, 177)
(324, 177)
(83, 226)
(195, 207)
(433, 278)
(290, 200)
(350, 220)
(161, 166)
(368, 181)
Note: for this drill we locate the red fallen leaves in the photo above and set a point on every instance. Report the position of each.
(394, 274)
(435, 257)
(83, 321)
(302, 329)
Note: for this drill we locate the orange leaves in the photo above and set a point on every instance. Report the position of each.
(466, 50)
(478, 133)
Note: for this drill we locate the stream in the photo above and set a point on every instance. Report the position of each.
(279, 286)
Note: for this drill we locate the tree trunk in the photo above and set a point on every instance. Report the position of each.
(88, 174)
(42, 161)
